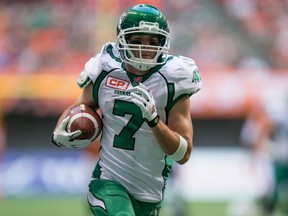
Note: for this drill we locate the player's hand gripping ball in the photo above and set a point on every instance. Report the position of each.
(87, 120)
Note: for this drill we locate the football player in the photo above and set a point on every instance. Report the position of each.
(276, 108)
(144, 97)
(265, 132)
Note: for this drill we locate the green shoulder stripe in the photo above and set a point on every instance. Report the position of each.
(96, 86)
(171, 93)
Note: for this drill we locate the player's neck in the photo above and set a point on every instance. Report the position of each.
(133, 70)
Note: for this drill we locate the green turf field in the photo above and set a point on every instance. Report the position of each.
(77, 207)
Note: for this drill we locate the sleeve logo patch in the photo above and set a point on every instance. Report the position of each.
(116, 83)
(196, 76)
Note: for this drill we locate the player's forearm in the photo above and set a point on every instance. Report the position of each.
(169, 141)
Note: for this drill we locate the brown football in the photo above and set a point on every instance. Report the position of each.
(85, 119)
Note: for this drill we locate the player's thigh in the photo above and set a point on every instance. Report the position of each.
(106, 197)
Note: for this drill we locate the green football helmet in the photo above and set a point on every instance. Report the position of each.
(143, 19)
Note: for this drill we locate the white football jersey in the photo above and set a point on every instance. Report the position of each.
(129, 153)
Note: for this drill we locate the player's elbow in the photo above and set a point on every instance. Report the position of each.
(187, 155)
(182, 154)
(184, 159)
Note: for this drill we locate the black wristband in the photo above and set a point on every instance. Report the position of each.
(153, 122)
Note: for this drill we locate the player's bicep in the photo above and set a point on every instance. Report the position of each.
(87, 96)
(179, 119)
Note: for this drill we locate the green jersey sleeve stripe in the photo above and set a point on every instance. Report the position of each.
(96, 86)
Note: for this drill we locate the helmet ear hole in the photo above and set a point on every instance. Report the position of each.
(162, 40)
(160, 57)
(127, 37)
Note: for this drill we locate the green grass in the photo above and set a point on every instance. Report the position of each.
(200, 208)
(207, 208)
(43, 207)
(76, 206)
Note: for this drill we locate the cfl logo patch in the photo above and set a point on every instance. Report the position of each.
(116, 83)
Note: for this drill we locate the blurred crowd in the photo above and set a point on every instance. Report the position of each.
(266, 21)
(43, 35)
(59, 36)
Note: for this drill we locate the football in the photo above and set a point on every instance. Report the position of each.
(87, 120)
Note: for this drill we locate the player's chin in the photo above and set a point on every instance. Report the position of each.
(148, 55)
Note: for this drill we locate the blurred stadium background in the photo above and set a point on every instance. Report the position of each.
(240, 48)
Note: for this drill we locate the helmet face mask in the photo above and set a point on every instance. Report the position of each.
(143, 20)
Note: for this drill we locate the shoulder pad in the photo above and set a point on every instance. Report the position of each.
(184, 73)
(83, 79)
